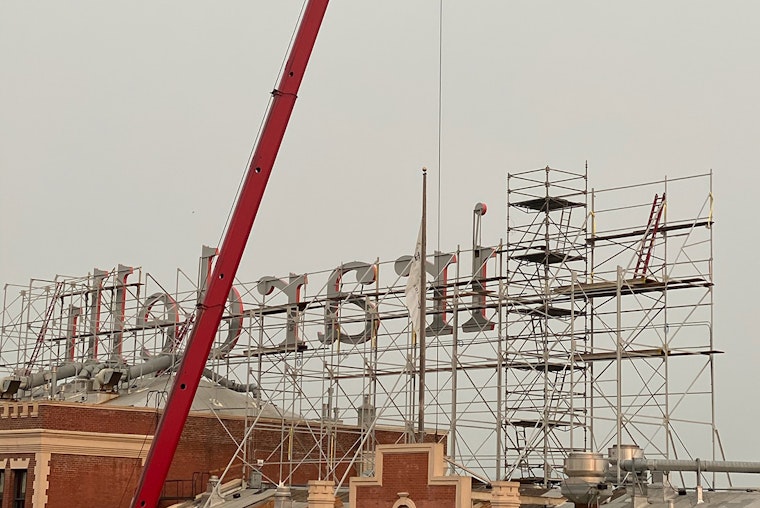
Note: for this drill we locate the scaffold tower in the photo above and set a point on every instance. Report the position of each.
(546, 403)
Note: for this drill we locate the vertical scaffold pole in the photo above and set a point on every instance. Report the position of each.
(423, 325)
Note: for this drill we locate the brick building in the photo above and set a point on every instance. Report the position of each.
(62, 454)
(412, 475)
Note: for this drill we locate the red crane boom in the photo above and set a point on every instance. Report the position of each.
(210, 310)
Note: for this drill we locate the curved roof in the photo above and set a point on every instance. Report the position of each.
(153, 392)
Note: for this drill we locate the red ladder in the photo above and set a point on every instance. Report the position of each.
(183, 329)
(43, 329)
(647, 242)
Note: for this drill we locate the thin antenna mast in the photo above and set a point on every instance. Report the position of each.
(423, 324)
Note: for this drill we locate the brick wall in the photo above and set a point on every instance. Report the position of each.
(76, 417)
(91, 481)
(8, 487)
(406, 473)
(204, 448)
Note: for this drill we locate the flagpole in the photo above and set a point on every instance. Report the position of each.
(421, 334)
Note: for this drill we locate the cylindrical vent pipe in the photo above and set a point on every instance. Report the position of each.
(11, 384)
(150, 366)
(231, 384)
(84, 370)
(713, 466)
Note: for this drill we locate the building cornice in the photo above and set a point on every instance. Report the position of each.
(74, 443)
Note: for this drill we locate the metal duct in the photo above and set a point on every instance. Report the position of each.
(11, 384)
(230, 384)
(90, 370)
(156, 363)
(690, 465)
(164, 362)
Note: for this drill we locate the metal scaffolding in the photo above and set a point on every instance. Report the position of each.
(651, 362)
(537, 345)
(546, 321)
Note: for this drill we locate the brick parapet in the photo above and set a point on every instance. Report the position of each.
(88, 449)
(414, 473)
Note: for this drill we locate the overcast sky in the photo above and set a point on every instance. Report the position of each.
(125, 128)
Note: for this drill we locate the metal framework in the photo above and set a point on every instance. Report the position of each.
(652, 333)
(536, 346)
(546, 321)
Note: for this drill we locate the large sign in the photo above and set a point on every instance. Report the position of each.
(352, 289)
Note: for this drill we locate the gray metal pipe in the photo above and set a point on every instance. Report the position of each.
(89, 370)
(40, 378)
(713, 466)
(150, 366)
(11, 384)
(164, 362)
(230, 384)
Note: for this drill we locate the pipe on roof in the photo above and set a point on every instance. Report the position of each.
(10, 385)
(231, 384)
(726, 466)
(154, 364)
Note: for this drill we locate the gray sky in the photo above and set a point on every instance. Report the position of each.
(125, 128)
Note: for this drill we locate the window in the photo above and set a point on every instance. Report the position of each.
(19, 490)
(2, 485)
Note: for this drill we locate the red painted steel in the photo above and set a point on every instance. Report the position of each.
(650, 235)
(210, 311)
(44, 328)
(655, 229)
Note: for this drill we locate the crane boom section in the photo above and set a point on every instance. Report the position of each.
(210, 311)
